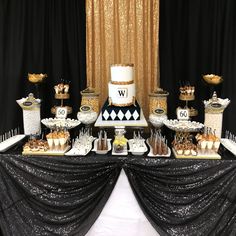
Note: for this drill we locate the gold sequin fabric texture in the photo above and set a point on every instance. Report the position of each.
(123, 31)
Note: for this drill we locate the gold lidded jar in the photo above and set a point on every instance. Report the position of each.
(90, 97)
(158, 101)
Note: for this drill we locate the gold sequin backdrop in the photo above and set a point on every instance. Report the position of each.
(123, 31)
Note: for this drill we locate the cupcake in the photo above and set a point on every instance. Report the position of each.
(203, 144)
(209, 144)
(216, 144)
(49, 140)
(62, 140)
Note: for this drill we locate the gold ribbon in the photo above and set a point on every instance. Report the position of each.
(122, 82)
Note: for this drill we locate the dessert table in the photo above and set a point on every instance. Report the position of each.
(45, 195)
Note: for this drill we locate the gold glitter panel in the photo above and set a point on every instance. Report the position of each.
(121, 32)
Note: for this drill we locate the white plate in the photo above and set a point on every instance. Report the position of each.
(8, 143)
(80, 149)
(183, 126)
(136, 151)
(229, 144)
(101, 151)
(60, 123)
(150, 154)
(78, 152)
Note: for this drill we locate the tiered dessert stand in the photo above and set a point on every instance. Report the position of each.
(61, 94)
(187, 96)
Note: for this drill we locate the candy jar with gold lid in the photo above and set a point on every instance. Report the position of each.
(90, 97)
(158, 107)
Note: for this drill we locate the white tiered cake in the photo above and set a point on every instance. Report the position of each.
(121, 104)
(121, 88)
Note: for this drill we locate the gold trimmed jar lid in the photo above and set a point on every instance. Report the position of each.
(89, 91)
(122, 64)
(159, 92)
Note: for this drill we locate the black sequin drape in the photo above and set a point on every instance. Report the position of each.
(64, 196)
(186, 197)
(53, 196)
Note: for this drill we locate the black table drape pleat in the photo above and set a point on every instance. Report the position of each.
(53, 196)
(196, 38)
(46, 36)
(186, 197)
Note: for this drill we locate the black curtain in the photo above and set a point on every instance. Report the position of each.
(186, 197)
(199, 37)
(46, 36)
(53, 196)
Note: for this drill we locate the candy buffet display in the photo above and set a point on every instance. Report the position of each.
(137, 145)
(82, 144)
(158, 145)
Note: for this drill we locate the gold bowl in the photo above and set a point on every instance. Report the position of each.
(213, 79)
(36, 78)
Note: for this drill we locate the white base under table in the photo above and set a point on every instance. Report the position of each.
(122, 214)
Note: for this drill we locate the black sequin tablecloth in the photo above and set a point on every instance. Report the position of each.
(45, 195)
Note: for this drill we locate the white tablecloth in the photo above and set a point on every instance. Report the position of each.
(122, 215)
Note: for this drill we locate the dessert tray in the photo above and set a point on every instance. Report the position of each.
(137, 146)
(8, 143)
(81, 146)
(183, 126)
(49, 152)
(210, 154)
(95, 148)
(229, 144)
(60, 123)
(150, 154)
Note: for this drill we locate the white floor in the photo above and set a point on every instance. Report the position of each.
(122, 215)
